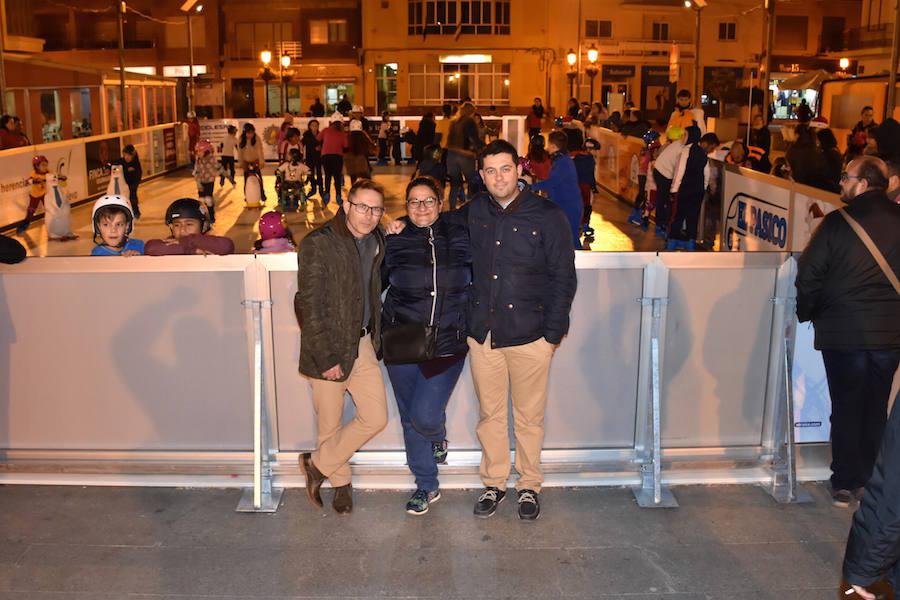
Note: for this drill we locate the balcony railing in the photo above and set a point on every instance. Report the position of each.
(861, 38)
(644, 47)
(294, 49)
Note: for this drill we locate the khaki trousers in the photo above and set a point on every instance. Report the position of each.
(336, 444)
(525, 369)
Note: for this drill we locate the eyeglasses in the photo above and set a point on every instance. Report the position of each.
(428, 202)
(846, 176)
(365, 209)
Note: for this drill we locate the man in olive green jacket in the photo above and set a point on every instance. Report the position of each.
(338, 306)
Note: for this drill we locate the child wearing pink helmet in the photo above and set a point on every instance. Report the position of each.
(274, 235)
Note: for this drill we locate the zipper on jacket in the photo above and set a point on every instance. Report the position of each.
(434, 287)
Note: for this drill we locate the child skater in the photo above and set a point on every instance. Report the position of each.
(113, 223)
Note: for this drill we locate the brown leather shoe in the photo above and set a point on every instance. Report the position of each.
(343, 499)
(314, 479)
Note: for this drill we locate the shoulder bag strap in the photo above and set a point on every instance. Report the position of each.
(873, 249)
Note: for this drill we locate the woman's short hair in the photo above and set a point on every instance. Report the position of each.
(427, 181)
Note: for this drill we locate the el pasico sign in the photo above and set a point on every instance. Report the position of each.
(756, 214)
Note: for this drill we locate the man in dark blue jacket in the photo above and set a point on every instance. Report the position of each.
(523, 286)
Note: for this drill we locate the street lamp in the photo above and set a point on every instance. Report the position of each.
(592, 70)
(190, 31)
(845, 63)
(285, 63)
(266, 57)
(698, 6)
(571, 58)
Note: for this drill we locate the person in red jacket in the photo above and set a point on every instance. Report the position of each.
(535, 118)
(189, 227)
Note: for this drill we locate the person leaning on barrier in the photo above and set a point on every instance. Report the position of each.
(524, 284)
(11, 251)
(428, 275)
(338, 306)
(189, 227)
(855, 310)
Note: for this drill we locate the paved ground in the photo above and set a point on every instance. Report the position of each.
(724, 543)
(613, 233)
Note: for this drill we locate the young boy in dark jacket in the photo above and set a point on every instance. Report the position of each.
(688, 186)
(133, 173)
(585, 166)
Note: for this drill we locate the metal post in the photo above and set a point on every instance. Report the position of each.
(2, 61)
(652, 493)
(697, 56)
(120, 13)
(766, 71)
(190, 32)
(284, 89)
(892, 76)
(267, 95)
(262, 497)
(592, 73)
(750, 108)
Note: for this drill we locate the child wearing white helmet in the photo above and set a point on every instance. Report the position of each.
(113, 221)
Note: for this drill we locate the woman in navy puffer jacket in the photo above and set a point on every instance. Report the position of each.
(427, 271)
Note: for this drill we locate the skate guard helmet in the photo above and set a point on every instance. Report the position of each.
(272, 225)
(187, 208)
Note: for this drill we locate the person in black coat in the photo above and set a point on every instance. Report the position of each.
(873, 547)
(834, 162)
(855, 311)
(806, 159)
(424, 136)
(133, 173)
(427, 271)
(760, 145)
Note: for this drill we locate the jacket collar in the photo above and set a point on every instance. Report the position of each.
(521, 198)
(868, 196)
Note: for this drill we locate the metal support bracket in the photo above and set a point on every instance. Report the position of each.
(262, 497)
(652, 493)
(784, 487)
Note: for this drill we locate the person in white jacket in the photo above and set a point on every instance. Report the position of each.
(688, 188)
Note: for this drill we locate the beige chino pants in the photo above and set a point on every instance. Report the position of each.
(336, 444)
(525, 369)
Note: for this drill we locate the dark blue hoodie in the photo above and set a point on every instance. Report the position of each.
(690, 173)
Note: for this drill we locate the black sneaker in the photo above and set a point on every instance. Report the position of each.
(418, 504)
(439, 450)
(529, 507)
(488, 502)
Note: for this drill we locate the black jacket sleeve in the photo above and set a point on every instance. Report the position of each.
(812, 267)
(873, 548)
(560, 256)
(11, 251)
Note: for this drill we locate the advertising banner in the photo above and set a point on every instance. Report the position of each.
(170, 148)
(808, 214)
(64, 160)
(756, 214)
(98, 155)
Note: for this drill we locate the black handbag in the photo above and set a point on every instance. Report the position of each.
(405, 343)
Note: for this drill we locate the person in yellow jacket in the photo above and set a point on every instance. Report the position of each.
(685, 114)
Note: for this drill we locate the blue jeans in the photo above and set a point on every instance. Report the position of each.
(859, 382)
(422, 403)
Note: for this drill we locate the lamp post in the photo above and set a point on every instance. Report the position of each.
(190, 33)
(266, 57)
(120, 18)
(285, 63)
(593, 55)
(571, 58)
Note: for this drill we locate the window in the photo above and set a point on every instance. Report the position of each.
(597, 29)
(727, 31)
(448, 17)
(660, 32)
(438, 83)
(252, 38)
(386, 86)
(791, 32)
(328, 31)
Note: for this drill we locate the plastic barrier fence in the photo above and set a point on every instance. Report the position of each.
(141, 371)
(84, 162)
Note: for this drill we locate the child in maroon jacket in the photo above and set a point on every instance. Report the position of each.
(189, 226)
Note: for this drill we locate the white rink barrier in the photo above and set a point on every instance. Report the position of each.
(84, 162)
(140, 371)
(510, 128)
